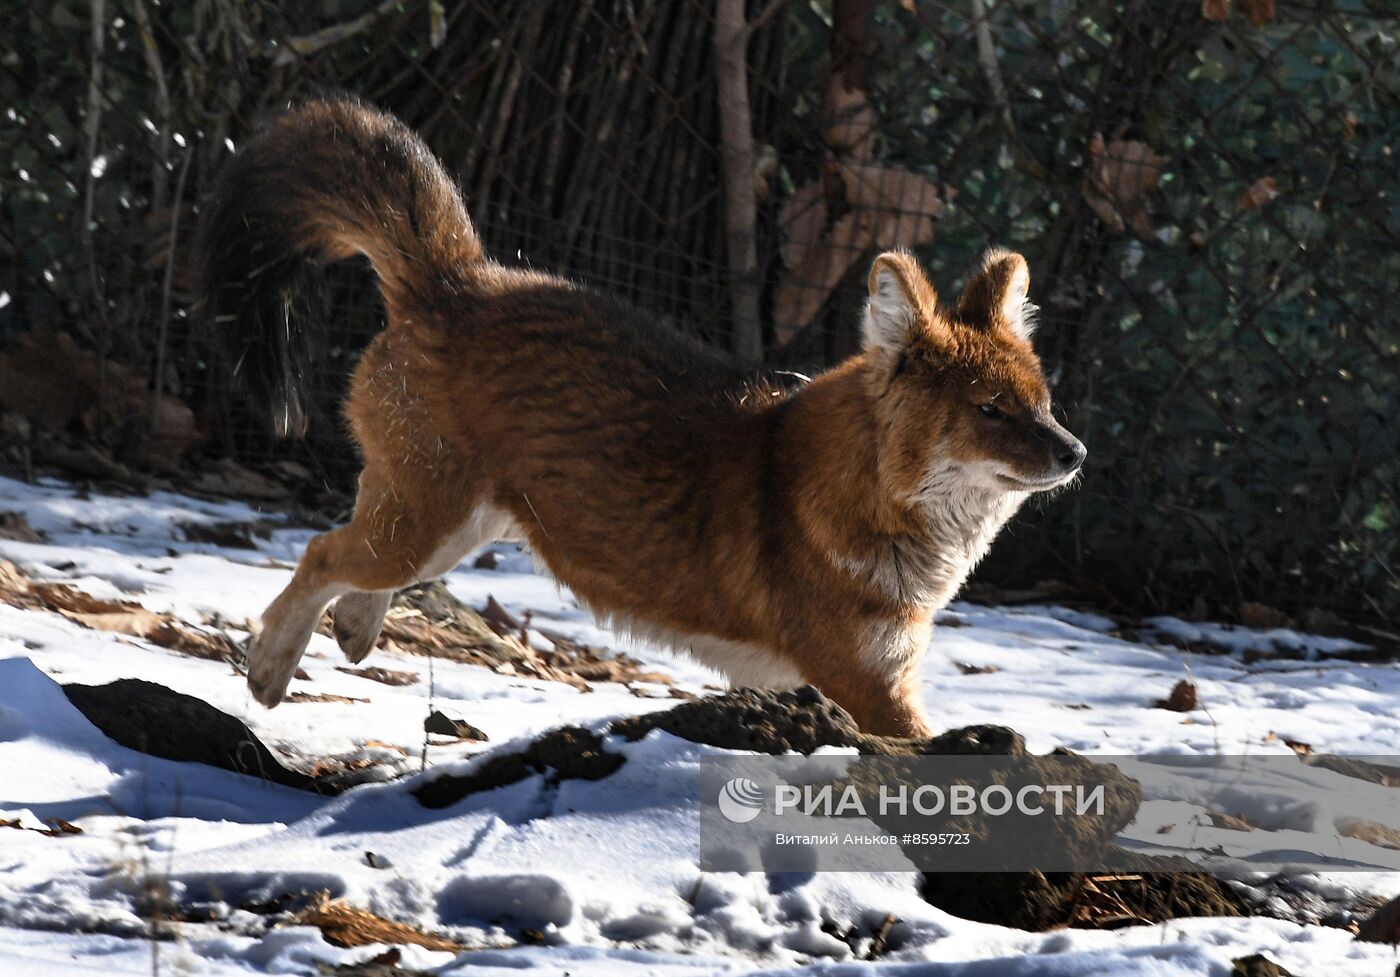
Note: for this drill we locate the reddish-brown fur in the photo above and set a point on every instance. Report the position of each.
(782, 533)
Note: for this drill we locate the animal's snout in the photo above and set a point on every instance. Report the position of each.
(1071, 453)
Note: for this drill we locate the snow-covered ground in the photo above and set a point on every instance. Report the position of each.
(603, 872)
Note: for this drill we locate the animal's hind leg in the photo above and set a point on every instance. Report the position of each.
(324, 573)
(393, 540)
(359, 617)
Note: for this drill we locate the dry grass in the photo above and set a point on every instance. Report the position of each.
(346, 926)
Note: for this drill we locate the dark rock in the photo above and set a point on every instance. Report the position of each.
(1383, 925)
(1008, 841)
(800, 721)
(1181, 699)
(1386, 776)
(152, 719)
(230, 535)
(763, 721)
(566, 753)
(13, 525)
(968, 741)
(488, 560)
(440, 724)
(1150, 889)
(1256, 965)
(1023, 900)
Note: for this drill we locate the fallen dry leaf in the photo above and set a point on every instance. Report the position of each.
(1259, 193)
(322, 697)
(1181, 699)
(381, 745)
(385, 676)
(116, 616)
(1230, 822)
(441, 724)
(176, 636)
(1371, 832)
(57, 827)
(499, 619)
(1120, 176)
(428, 620)
(1259, 12)
(967, 669)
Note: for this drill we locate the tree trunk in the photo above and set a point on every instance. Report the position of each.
(737, 158)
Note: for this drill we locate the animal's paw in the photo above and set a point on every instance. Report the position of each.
(358, 619)
(269, 673)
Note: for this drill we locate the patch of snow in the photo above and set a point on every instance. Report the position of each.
(605, 871)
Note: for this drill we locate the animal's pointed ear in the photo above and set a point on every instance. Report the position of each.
(902, 302)
(998, 294)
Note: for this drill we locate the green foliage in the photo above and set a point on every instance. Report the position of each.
(1236, 371)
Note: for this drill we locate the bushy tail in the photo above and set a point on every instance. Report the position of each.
(325, 180)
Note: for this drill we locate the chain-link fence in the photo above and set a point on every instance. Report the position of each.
(1207, 197)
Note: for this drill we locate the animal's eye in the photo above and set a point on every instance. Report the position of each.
(991, 410)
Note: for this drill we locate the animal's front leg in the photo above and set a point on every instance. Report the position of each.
(287, 625)
(879, 684)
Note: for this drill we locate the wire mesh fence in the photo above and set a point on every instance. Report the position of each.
(1207, 194)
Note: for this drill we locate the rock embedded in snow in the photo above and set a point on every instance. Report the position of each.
(1256, 965)
(1138, 890)
(1181, 699)
(1383, 925)
(566, 753)
(441, 724)
(760, 720)
(13, 525)
(152, 719)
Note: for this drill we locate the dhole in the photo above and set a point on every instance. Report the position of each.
(780, 534)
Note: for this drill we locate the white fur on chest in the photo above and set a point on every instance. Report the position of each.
(892, 648)
(926, 569)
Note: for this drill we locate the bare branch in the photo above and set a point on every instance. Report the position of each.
(987, 57)
(160, 169)
(308, 44)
